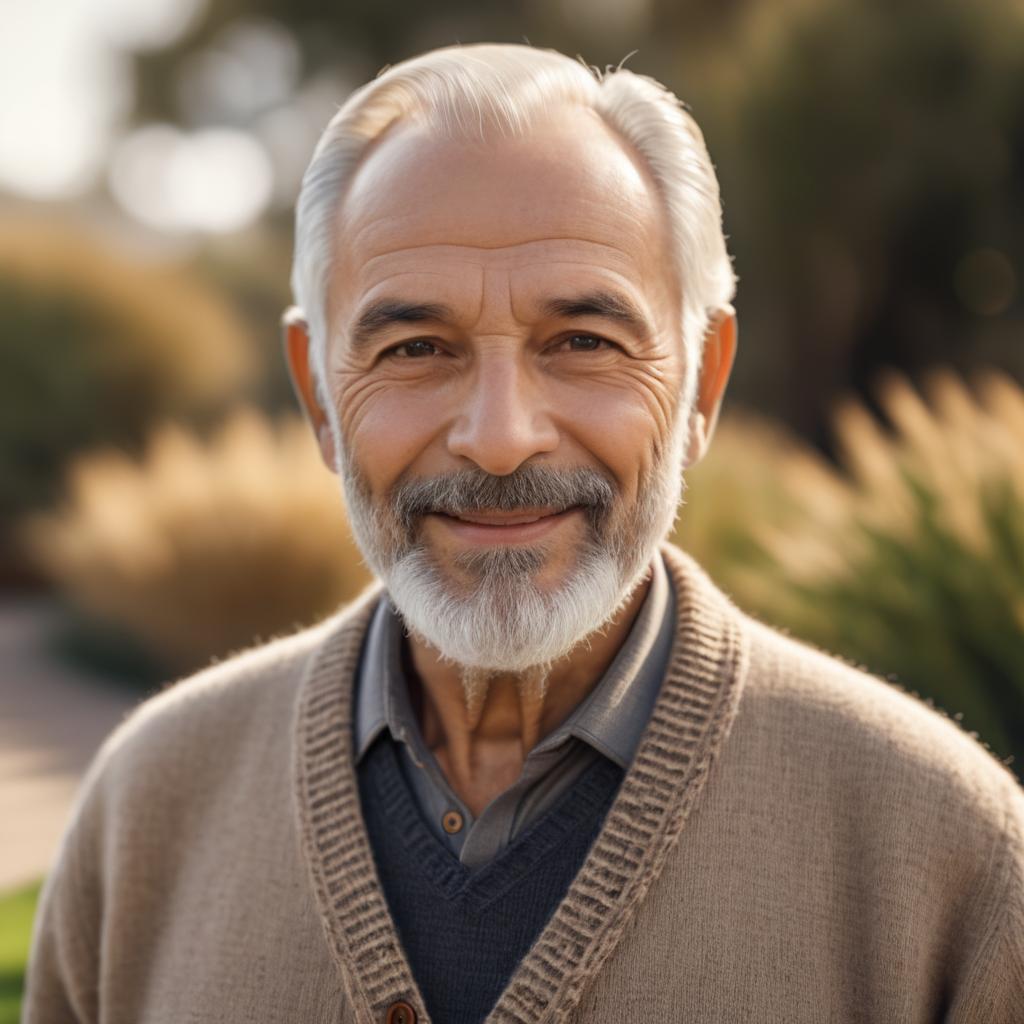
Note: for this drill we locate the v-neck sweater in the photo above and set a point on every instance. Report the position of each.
(608, 723)
(448, 916)
(795, 840)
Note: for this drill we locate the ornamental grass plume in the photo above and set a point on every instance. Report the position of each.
(737, 483)
(909, 558)
(201, 549)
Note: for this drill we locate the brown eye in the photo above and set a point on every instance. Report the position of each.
(585, 342)
(413, 349)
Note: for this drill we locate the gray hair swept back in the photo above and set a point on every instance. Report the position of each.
(467, 91)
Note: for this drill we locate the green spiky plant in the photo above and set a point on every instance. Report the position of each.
(908, 559)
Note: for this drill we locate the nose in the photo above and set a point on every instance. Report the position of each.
(504, 419)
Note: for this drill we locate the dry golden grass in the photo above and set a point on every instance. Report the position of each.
(763, 492)
(949, 442)
(201, 549)
(907, 557)
(763, 499)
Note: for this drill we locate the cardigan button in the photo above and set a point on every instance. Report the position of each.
(400, 1013)
(452, 822)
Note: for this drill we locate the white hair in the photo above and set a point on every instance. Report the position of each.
(467, 91)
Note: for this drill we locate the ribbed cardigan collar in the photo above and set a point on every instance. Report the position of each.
(688, 726)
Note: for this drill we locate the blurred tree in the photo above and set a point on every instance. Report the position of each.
(96, 349)
(870, 155)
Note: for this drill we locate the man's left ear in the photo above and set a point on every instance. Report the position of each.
(719, 351)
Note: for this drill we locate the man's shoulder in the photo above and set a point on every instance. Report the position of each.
(807, 713)
(870, 733)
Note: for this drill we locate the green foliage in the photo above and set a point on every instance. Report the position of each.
(738, 479)
(870, 155)
(17, 910)
(935, 614)
(45, 371)
(908, 560)
(95, 350)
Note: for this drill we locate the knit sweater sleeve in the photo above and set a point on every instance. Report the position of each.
(62, 980)
(993, 984)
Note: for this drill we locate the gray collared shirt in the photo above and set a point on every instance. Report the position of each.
(608, 723)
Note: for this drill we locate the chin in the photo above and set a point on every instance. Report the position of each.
(505, 620)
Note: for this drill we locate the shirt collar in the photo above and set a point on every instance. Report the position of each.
(611, 718)
(614, 714)
(382, 695)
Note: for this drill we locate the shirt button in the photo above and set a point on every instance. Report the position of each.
(400, 1013)
(452, 822)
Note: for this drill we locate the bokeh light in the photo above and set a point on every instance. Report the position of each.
(215, 180)
(68, 57)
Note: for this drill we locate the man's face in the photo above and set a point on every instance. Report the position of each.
(505, 346)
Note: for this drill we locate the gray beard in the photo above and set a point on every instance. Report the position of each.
(500, 621)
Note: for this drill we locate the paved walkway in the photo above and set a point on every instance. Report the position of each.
(52, 720)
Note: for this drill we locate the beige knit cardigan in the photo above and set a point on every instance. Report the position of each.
(795, 841)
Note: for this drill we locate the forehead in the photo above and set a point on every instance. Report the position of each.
(569, 198)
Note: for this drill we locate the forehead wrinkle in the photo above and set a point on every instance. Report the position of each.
(601, 278)
(457, 295)
(605, 223)
(542, 256)
(365, 288)
(457, 247)
(515, 263)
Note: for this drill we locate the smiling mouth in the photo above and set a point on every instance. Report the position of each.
(493, 526)
(519, 517)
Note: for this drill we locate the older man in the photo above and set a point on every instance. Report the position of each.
(546, 771)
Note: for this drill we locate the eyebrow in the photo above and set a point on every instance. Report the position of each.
(385, 313)
(604, 304)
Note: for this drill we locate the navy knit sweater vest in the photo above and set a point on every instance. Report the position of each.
(464, 933)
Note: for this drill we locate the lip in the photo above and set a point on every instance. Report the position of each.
(505, 527)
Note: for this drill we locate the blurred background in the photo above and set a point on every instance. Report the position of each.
(162, 503)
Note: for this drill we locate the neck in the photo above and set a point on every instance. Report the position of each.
(482, 748)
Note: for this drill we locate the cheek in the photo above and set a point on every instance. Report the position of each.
(386, 427)
(622, 423)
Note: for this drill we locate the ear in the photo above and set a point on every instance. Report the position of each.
(719, 352)
(297, 355)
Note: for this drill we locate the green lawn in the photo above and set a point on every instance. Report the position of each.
(16, 912)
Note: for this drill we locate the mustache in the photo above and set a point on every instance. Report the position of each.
(528, 487)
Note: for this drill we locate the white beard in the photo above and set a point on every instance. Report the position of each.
(504, 623)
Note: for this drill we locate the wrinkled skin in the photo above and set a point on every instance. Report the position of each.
(495, 232)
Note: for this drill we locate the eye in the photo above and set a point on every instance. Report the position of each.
(416, 349)
(587, 343)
